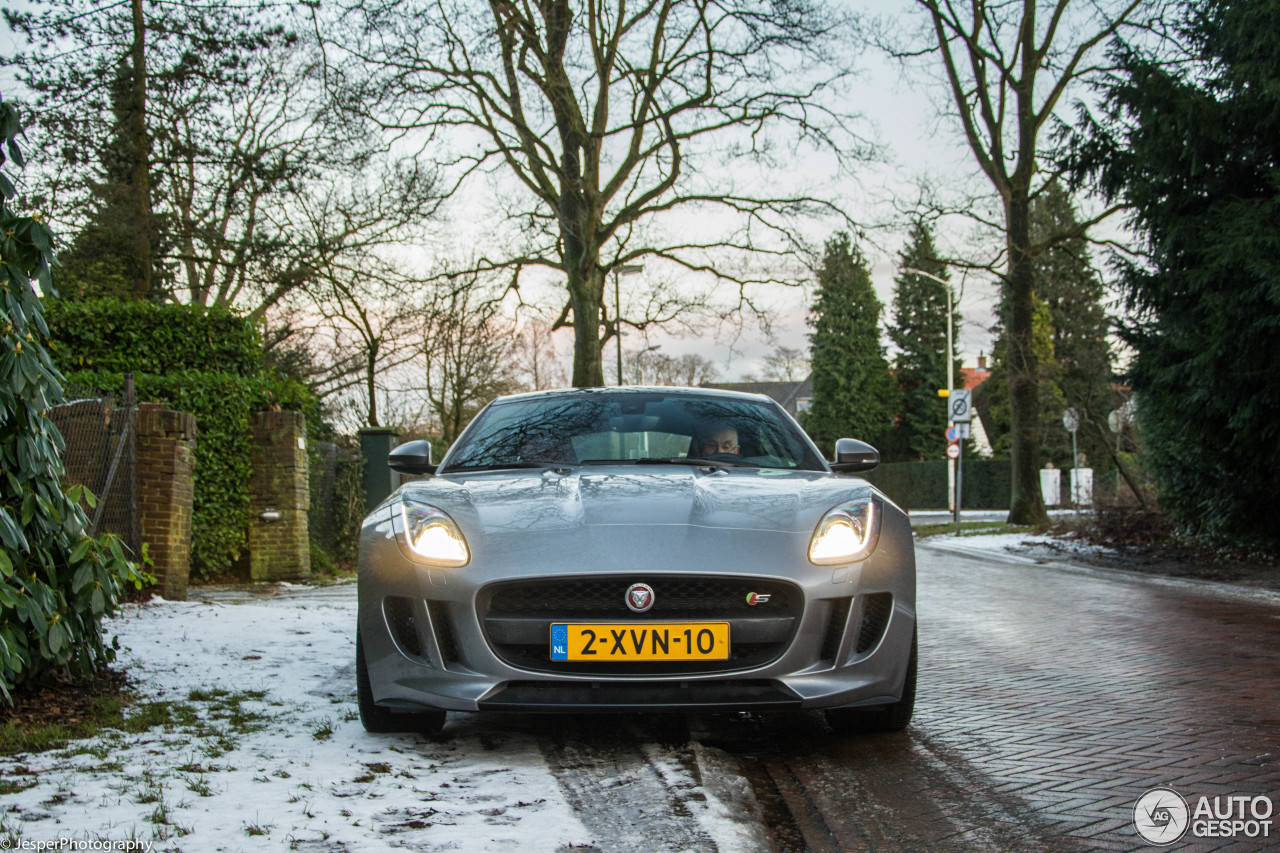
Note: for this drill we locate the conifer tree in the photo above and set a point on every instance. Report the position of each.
(853, 393)
(1192, 149)
(1073, 293)
(919, 330)
(1069, 336)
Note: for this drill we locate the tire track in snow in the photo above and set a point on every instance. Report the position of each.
(620, 785)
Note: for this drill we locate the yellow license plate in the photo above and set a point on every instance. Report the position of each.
(639, 641)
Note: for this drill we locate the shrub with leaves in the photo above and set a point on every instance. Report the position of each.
(56, 582)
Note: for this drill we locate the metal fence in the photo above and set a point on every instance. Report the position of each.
(101, 434)
(337, 500)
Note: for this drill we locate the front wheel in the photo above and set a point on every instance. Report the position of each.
(380, 720)
(893, 717)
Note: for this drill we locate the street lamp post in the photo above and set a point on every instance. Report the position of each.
(951, 467)
(618, 273)
(950, 325)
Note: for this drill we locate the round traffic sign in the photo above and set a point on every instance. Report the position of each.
(953, 433)
(953, 451)
(1071, 420)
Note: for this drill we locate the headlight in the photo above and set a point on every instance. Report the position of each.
(431, 536)
(847, 533)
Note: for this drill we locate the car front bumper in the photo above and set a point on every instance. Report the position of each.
(428, 646)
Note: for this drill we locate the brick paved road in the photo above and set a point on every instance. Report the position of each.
(1049, 702)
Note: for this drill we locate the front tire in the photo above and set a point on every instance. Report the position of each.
(378, 720)
(893, 717)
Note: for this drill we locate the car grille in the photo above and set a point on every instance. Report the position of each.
(517, 617)
(575, 697)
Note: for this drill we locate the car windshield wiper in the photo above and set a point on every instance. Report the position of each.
(697, 461)
(501, 466)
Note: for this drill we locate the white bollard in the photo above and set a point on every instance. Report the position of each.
(1082, 486)
(1051, 486)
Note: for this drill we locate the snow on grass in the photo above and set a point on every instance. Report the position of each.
(260, 747)
(1029, 545)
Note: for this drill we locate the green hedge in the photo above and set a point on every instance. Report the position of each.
(923, 485)
(142, 337)
(206, 361)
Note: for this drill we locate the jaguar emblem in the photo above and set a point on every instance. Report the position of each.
(639, 597)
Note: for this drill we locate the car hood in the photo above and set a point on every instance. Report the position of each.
(542, 501)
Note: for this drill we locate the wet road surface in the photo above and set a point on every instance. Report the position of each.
(1049, 701)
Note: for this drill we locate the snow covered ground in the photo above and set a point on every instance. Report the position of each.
(262, 749)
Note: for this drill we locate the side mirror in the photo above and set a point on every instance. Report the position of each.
(853, 456)
(412, 457)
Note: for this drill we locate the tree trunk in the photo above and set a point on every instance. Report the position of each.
(1026, 504)
(371, 365)
(143, 287)
(581, 264)
(588, 365)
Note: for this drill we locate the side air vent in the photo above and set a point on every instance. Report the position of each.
(442, 624)
(876, 609)
(399, 613)
(835, 628)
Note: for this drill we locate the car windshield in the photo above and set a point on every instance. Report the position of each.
(632, 428)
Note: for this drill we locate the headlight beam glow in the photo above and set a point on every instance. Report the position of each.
(431, 536)
(846, 534)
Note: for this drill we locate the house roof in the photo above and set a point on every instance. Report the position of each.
(972, 377)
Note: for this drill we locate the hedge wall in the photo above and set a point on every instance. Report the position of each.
(923, 485)
(142, 337)
(204, 361)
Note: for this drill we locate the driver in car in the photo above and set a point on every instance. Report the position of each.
(716, 437)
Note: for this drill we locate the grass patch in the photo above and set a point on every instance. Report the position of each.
(15, 786)
(971, 528)
(59, 714)
(256, 829)
(61, 724)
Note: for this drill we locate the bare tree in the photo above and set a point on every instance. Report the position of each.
(537, 360)
(649, 367)
(373, 323)
(468, 352)
(785, 364)
(242, 183)
(1007, 66)
(607, 117)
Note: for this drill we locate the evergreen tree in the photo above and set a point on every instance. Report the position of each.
(1073, 293)
(104, 258)
(56, 582)
(1192, 149)
(1069, 335)
(852, 389)
(992, 397)
(919, 330)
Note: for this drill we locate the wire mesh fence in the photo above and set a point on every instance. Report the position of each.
(337, 500)
(101, 434)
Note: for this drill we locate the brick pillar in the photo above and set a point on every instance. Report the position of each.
(166, 485)
(279, 496)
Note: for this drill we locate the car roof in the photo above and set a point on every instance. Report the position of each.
(641, 389)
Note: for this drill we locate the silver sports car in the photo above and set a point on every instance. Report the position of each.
(636, 549)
